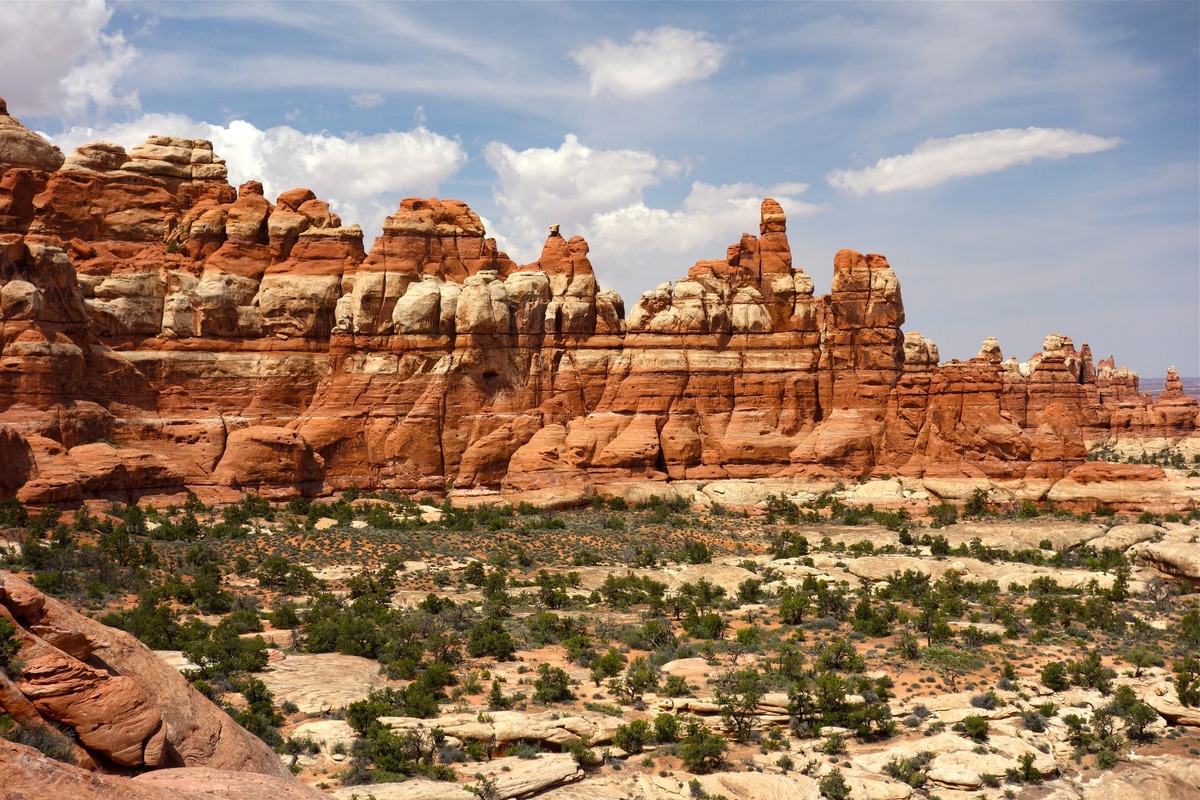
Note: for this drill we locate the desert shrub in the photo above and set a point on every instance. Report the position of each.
(607, 666)
(694, 552)
(12, 513)
(153, 622)
(738, 695)
(389, 702)
(706, 626)
(623, 592)
(986, 701)
(977, 503)
(1189, 631)
(1054, 677)
(1187, 681)
(943, 514)
(833, 786)
(489, 638)
(789, 544)
(259, 716)
(585, 557)
(974, 727)
(1033, 721)
(1091, 673)
(666, 728)
(285, 615)
(701, 750)
(10, 645)
(749, 591)
(497, 700)
(1028, 510)
(1027, 772)
(632, 737)
(793, 606)
(552, 685)
(47, 740)
(1138, 716)
(909, 770)
(839, 655)
(224, 654)
(580, 749)
(639, 678)
(676, 686)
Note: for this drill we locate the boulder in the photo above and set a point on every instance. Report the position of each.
(122, 700)
(27, 774)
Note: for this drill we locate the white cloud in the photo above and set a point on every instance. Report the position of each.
(935, 161)
(58, 60)
(362, 177)
(567, 185)
(636, 247)
(652, 62)
(366, 100)
(599, 194)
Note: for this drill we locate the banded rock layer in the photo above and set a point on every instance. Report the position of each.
(161, 330)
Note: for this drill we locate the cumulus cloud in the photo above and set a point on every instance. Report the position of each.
(362, 177)
(652, 62)
(567, 185)
(636, 247)
(935, 161)
(59, 60)
(599, 194)
(367, 100)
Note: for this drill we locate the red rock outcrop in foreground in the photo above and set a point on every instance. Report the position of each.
(126, 706)
(161, 330)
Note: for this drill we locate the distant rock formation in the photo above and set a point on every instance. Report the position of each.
(162, 330)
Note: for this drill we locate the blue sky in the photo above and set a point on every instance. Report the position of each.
(1027, 168)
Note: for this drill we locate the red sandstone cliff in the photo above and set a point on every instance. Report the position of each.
(160, 330)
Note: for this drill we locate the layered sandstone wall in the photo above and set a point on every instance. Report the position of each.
(160, 330)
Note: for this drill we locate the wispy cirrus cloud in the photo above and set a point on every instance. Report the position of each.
(936, 161)
(366, 100)
(652, 62)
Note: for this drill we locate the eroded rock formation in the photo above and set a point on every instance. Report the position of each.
(162, 330)
(126, 707)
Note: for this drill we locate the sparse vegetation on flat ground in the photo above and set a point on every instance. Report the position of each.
(482, 610)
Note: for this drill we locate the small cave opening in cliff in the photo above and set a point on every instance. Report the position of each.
(491, 380)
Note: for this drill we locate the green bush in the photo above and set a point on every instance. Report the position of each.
(666, 728)
(10, 645)
(43, 738)
(552, 686)
(1054, 677)
(701, 750)
(489, 638)
(1187, 681)
(633, 736)
(943, 515)
(910, 770)
(833, 786)
(974, 727)
(13, 513)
